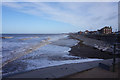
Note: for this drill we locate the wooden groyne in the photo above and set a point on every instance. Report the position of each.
(6, 37)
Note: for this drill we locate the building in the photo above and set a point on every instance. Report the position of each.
(93, 32)
(80, 32)
(105, 30)
(86, 32)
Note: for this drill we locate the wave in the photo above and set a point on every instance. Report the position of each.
(50, 51)
(15, 54)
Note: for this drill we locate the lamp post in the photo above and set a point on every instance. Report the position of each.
(114, 52)
(114, 56)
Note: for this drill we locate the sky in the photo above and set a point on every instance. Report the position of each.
(58, 17)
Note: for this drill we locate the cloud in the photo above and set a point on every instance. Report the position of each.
(85, 15)
(60, 1)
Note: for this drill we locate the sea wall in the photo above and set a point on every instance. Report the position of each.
(111, 38)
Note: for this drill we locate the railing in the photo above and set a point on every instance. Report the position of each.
(118, 47)
(116, 51)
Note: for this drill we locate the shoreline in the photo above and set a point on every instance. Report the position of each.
(86, 51)
(75, 49)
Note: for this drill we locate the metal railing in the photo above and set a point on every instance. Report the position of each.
(116, 50)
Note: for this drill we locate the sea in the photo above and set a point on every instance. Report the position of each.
(26, 52)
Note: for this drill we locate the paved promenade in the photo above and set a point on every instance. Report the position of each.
(62, 70)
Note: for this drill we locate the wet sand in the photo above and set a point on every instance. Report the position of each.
(85, 51)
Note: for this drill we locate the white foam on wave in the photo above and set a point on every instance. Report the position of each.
(12, 50)
(56, 38)
(40, 58)
(36, 64)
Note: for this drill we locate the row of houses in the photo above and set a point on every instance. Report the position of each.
(104, 30)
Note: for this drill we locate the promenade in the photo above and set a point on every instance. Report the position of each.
(62, 71)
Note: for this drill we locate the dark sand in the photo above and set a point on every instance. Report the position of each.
(85, 51)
